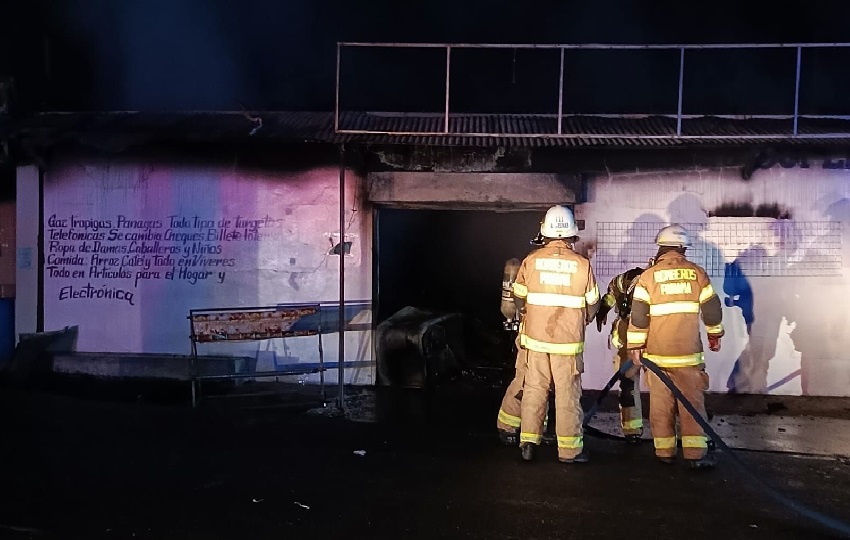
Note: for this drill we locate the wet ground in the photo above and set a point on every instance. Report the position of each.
(140, 463)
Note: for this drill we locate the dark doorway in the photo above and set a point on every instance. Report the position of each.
(449, 260)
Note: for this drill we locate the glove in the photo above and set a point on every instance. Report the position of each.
(714, 343)
(601, 321)
(635, 355)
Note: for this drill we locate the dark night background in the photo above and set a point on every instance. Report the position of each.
(177, 55)
(161, 55)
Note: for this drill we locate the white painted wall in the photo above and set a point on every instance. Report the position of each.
(282, 259)
(800, 321)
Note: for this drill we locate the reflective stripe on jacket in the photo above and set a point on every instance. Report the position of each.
(668, 302)
(561, 297)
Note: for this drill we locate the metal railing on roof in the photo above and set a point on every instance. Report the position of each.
(560, 134)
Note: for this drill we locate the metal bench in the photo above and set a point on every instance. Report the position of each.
(233, 325)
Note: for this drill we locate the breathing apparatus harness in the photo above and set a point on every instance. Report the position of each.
(512, 325)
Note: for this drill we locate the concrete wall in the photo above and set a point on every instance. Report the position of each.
(131, 247)
(27, 259)
(7, 249)
(515, 191)
(776, 246)
(783, 274)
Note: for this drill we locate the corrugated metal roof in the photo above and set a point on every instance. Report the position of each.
(586, 130)
(481, 130)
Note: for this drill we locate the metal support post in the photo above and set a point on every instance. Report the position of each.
(322, 361)
(561, 94)
(681, 84)
(336, 105)
(341, 361)
(797, 90)
(448, 79)
(193, 359)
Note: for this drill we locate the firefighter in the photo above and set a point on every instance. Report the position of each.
(557, 296)
(619, 298)
(508, 419)
(670, 298)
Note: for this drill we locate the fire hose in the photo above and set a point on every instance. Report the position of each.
(619, 374)
(822, 519)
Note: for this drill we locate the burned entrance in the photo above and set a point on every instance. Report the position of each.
(451, 262)
(442, 241)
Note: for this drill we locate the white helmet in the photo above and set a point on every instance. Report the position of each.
(673, 235)
(559, 223)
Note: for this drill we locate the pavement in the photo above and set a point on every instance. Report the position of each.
(95, 462)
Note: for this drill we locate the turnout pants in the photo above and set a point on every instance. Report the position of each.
(510, 411)
(565, 372)
(631, 413)
(663, 408)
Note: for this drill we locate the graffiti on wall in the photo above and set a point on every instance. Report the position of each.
(118, 253)
(129, 249)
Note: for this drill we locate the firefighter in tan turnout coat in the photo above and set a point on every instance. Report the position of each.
(508, 419)
(556, 292)
(668, 302)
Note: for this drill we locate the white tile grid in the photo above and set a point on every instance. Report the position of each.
(777, 248)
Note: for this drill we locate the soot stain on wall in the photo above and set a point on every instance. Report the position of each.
(732, 209)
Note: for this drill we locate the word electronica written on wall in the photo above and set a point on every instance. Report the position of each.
(110, 258)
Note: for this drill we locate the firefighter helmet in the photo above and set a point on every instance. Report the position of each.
(559, 223)
(673, 235)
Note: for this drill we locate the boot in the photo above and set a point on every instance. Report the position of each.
(508, 438)
(708, 462)
(583, 457)
(527, 450)
(633, 439)
(666, 460)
